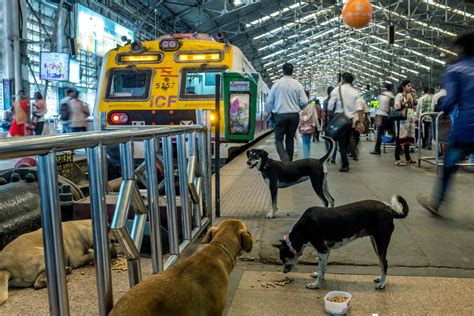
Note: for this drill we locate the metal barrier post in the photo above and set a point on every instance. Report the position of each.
(170, 195)
(217, 150)
(52, 235)
(126, 161)
(183, 187)
(437, 141)
(153, 205)
(204, 159)
(192, 165)
(100, 230)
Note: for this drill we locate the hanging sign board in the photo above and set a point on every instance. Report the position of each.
(97, 34)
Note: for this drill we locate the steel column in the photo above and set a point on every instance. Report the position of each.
(170, 195)
(153, 206)
(52, 235)
(100, 230)
(183, 187)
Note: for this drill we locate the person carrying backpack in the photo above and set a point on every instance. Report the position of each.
(309, 124)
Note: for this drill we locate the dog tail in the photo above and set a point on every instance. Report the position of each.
(399, 207)
(4, 277)
(331, 147)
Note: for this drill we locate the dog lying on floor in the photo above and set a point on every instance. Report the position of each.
(22, 262)
(279, 174)
(195, 286)
(331, 228)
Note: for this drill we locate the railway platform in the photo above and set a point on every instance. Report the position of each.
(431, 260)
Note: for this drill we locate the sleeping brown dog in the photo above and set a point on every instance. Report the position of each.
(195, 286)
(22, 261)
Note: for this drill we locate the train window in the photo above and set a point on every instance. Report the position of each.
(128, 84)
(198, 83)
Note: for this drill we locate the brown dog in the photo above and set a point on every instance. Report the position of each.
(195, 286)
(22, 261)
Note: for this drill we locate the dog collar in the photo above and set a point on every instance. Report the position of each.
(288, 242)
(226, 251)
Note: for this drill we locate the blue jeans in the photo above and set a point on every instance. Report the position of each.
(455, 152)
(306, 144)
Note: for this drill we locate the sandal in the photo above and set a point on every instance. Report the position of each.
(400, 163)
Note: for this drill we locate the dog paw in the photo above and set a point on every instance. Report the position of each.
(270, 215)
(314, 275)
(380, 286)
(377, 280)
(313, 286)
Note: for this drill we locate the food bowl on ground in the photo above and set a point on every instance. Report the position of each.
(337, 302)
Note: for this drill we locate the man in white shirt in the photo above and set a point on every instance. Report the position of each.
(353, 109)
(386, 99)
(286, 99)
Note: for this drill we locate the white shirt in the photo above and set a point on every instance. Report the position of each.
(384, 103)
(436, 96)
(352, 101)
(286, 96)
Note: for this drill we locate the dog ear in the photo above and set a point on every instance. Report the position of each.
(280, 244)
(246, 241)
(248, 153)
(209, 235)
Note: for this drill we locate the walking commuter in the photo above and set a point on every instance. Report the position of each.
(286, 99)
(405, 104)
(346, 99)
(319, 112)
(327, 116)
(309, 124)
(22, 115)
(386, 100)
(459, 83)
(65, 109)
(423, 106)
(39, 110)
(79, 113)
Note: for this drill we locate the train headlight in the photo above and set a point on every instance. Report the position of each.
(169, 44)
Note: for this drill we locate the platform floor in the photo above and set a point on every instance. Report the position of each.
(431, 260)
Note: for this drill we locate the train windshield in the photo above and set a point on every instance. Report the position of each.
(199, 84)
(129, 84)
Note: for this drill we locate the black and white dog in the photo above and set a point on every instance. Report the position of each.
(279, 174)
(331, 228)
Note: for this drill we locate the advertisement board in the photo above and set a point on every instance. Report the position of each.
(54, 66)
(74, 71)
(97, 34)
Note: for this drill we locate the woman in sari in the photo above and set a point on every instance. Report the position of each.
(22, 114)
(405, 103)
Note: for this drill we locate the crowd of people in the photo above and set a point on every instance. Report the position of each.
(345, 116)
(28, 118)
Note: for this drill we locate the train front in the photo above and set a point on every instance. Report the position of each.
(160, 82)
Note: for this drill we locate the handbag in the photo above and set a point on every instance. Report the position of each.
(339, 123)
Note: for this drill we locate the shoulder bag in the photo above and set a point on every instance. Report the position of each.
(339, 123)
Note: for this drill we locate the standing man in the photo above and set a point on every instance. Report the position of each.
(386, 100)
(286, 99)
(459, 84)
(423, 106)
(352, 107)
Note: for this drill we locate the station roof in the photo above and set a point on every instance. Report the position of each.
(312, 35)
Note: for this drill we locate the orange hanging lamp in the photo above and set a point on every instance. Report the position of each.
(357, 13)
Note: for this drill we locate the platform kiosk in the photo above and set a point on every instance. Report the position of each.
(240, 105)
